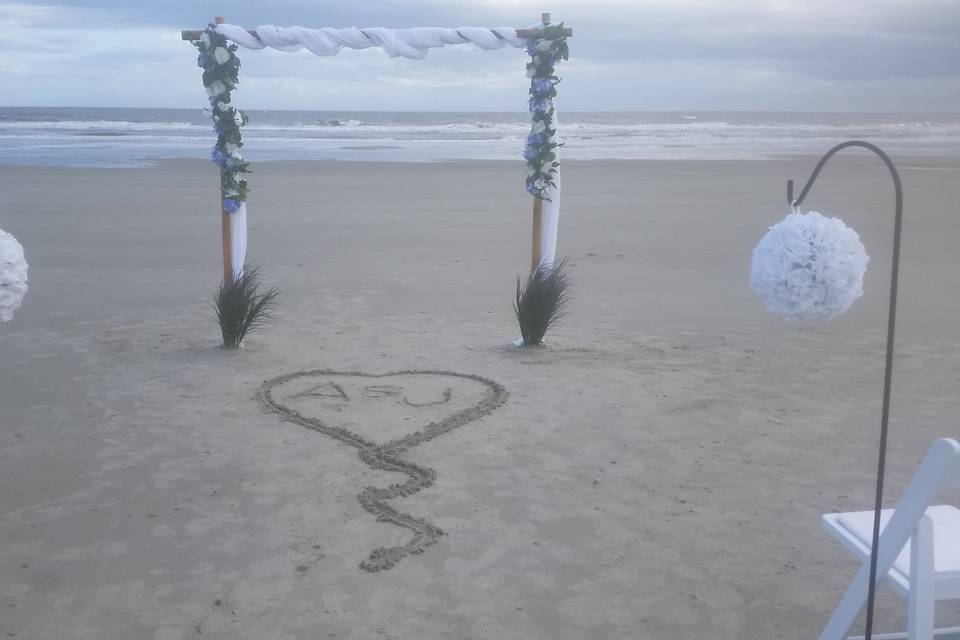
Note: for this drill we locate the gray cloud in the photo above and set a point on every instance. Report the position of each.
(640, 54)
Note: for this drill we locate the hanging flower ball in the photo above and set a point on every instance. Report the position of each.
(809, 266)
(13, 276)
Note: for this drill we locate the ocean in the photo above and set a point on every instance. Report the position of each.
(121, 137)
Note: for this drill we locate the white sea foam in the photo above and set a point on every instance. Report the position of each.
(129, 136)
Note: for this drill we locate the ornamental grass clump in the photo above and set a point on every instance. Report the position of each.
(241, 308)
(541, 301)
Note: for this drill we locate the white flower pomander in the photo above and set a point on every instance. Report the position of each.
(13, 276)
(221, 55)
(809, 266)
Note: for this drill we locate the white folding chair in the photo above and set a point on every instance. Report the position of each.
(919, 550)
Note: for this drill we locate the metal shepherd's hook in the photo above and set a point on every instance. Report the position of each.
(891, 323)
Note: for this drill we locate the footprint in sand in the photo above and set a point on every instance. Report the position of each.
(381, 408)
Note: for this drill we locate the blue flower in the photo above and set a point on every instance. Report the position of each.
(530, 153)
(221, 158)
(538, 104)
(541, 86)
(230, 205)
(535, 138)
(532, 188)
(531, 47)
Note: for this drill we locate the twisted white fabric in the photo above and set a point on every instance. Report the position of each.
(406, 43)
(13, 276)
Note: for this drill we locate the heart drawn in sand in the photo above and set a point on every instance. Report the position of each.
(383, 415)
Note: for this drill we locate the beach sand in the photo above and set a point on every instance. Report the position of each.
(658, 470)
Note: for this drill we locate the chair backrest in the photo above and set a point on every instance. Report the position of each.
(939, 470)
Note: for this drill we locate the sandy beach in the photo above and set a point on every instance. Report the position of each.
(656, 471)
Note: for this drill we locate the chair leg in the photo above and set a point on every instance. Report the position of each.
(920, 606)
(849, 608)
(855, 598)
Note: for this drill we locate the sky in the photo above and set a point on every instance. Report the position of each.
(626, 55)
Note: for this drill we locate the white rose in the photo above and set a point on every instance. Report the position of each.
(238, 118)
(221, 55)
(233, 150)
(544, 45)
(205, 39)
(222, 106)
(216, 88)
(538, 127)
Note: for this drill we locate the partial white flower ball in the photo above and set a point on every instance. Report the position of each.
(221, 55)
(809, 266)
(13, 276)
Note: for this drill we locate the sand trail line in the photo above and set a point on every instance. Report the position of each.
(388, 456)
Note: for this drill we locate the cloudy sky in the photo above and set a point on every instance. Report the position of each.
(802, 55)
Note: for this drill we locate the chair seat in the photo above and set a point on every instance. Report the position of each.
(855, 530)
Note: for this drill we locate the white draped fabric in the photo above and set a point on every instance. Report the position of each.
(549, 222)
(13, 276)
(238, 239)
(406, 43)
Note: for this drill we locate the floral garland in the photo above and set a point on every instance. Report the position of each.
(221, 68)
(545, 51)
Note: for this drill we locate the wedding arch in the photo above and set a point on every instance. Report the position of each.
(219, 43)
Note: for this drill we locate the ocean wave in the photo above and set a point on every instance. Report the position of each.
(103, 136)
(569, 126)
